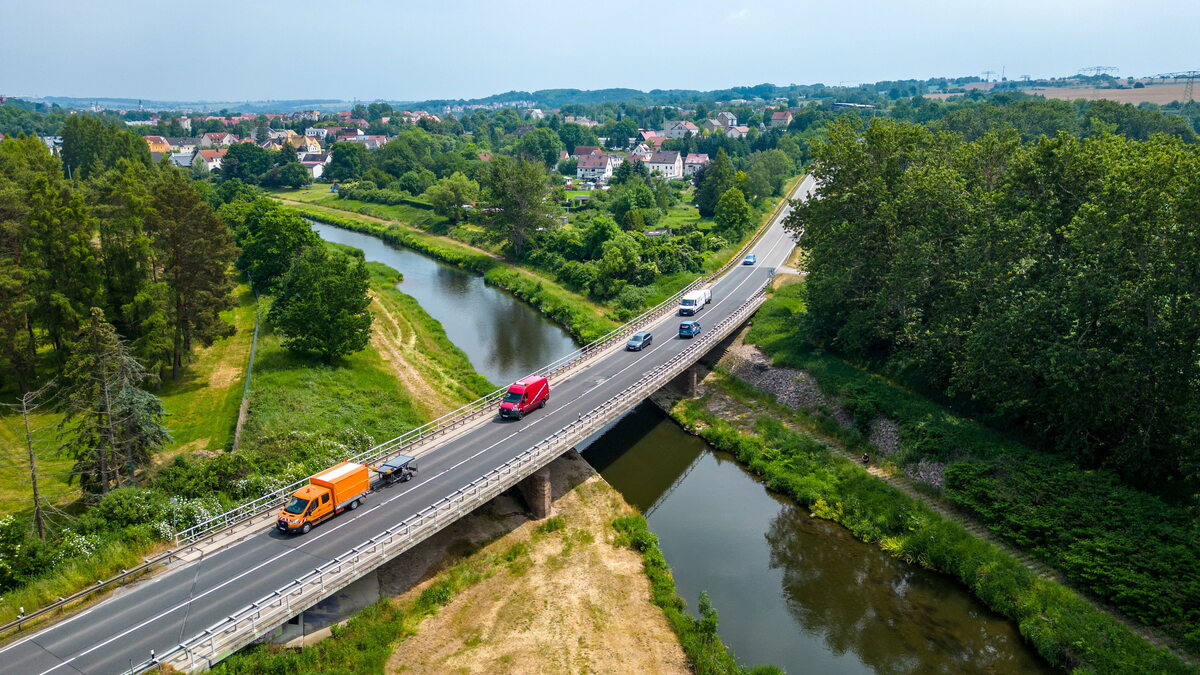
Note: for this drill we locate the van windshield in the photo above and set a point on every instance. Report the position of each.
(512, 397)
(687, 302)
(296, 506)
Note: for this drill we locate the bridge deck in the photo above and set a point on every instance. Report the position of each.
(166, 610)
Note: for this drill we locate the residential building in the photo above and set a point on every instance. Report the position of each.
(585, 150)
(737, 132)
(594, 167)
(640, 153)
(315, 163)
(681, 130)
(183, 144)
(158, 144)
(667, 163)
(694, 162)
(218, 139)
(644, 135)
(535, 113)
(316, 132)
(711, 125)
(183, 161)
(781, 119)
(211, 158)
(726, 119)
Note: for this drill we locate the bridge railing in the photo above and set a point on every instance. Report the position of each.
(266, 614)
(452, 421)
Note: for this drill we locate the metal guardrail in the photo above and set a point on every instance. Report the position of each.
(453, 420)
(267, 503)
(244, 626)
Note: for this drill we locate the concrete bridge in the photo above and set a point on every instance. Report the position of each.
(235, 579)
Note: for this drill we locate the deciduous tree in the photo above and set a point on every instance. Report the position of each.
(321, 304)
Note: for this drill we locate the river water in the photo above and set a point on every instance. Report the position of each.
(792, 591)
(504, 338)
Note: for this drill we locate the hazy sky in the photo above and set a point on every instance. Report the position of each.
(270, 49)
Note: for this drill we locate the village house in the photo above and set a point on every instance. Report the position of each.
(726, 119)
(781, 119)
(158, 144)
(694, 162)
(644, 135)
(218, 139)
(585, 150)
(210, 158)
(737, 132)
(667, 163)
(183, 144)
(535, 113)
(315, 163)
(681, 130)
(640, 153)
(594, 167)
(316, 132)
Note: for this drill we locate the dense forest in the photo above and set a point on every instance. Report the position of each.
(1053, 281)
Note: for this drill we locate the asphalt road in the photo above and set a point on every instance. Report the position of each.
(170, 608)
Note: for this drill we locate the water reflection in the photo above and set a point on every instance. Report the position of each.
(793, 591)
(503, 337)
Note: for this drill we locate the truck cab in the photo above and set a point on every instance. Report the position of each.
(523, 396)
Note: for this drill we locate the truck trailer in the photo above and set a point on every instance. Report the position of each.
(327, 494)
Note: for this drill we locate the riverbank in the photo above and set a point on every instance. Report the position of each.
(583, 318)
(498, 591)
(798, 452)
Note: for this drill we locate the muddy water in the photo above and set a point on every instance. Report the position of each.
(794, 591)
(503, 337)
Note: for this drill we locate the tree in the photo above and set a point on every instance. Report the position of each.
(17, 273)
(574, 135)
(449, 195)
(91, 144)
(195, 250)
(294, 175)
(519, 192)
(766, 172)
(348, 162)
(321, 305)
(270, 237)
(121, 200)
(246, 162)
(111, 427)
(713, 182)
(733, 214)
(627, 170)
(542, 144)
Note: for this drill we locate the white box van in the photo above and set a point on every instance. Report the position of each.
(693, 302)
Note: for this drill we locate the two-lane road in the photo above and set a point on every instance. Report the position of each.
(170, 608)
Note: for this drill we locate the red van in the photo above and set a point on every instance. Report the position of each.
(525, 395)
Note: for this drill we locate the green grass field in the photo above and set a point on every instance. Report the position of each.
(319, 194)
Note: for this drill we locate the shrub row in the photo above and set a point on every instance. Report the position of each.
(366, 192)
(703, 647)
(1128, 547)
(575, 314)
(1063, 627)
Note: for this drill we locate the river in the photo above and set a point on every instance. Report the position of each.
(504, 338)
(792, 591)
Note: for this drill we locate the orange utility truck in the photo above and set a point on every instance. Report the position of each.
(326, 495)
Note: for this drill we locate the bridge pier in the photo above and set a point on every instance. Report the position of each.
(537, 493)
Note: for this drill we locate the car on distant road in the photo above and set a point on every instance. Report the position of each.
(689, 329)
(750, 259)
(639, 341)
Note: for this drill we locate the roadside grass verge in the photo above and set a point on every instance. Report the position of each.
(582, 318)
(1063, 627)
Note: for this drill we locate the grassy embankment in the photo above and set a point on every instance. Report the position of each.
(797, 453)
(371, 391)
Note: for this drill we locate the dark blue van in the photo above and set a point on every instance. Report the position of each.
(689, 329)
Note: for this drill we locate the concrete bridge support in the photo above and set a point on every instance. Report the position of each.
(537, 493)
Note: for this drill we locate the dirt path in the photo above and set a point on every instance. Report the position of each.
(396, 343)
(569, 601)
